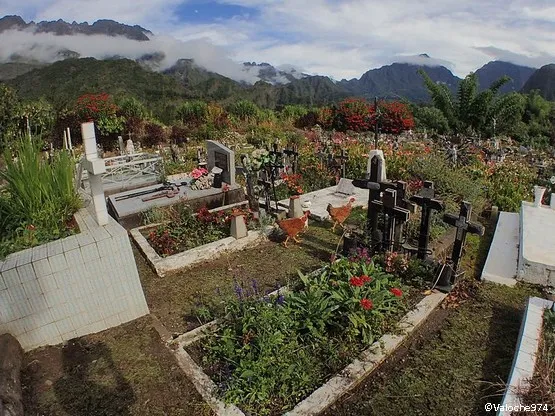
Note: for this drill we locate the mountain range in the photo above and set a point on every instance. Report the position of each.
(270, 87)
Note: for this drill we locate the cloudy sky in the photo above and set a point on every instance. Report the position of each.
(341, 38)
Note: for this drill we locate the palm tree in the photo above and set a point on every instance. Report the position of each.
(473, 112)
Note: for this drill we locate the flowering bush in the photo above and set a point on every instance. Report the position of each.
(270, 352)
(186, 230)
(100, 109)
(292, 182)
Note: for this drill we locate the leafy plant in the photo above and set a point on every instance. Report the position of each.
(39, 197)
(270, 352)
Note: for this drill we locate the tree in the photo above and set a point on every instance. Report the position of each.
(395, 117)
(433, 119)
(193, 112)
(353, 114)
(9, 115)
(100, 109)
(130, 107)
(244, 110)
(38, 115)
(473, 112)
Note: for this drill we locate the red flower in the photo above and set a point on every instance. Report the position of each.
(31, 227)
(356, 281)
(397, 292)
(365, 279)
(366, 304)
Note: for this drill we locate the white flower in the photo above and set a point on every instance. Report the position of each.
(552, 180)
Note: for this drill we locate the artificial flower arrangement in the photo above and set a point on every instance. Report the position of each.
(202, 179)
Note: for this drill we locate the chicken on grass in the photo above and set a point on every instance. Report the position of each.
(340, 214)
(293, 226)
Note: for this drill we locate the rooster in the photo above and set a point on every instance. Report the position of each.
(340, 214)
(293, 226)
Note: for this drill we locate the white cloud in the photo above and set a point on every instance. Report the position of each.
(342, 39)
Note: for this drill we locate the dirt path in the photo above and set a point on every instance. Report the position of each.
(122, 371)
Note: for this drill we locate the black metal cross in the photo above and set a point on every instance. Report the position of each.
(395, 217)
(464, 225)
(426, 199)
(371, 183)
(293, 158)
(343, 157)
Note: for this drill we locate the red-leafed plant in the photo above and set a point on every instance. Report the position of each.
(353, 114)
(396, 117)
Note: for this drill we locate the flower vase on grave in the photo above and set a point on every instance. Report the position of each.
(295, 209)
(538, 195)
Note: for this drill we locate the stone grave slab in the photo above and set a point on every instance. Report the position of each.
(502, 261)
(127, 210)
(536, 260)
(318, 201)
(222, 157)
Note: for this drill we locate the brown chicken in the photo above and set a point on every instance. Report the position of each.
(340, 214)
(293, 226)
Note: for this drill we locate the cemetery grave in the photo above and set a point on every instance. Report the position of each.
(357, 283)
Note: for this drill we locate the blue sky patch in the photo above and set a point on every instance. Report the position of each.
(199, 11)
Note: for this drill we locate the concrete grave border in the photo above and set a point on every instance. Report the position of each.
(323, 397)
(524, 362)
(164, 265)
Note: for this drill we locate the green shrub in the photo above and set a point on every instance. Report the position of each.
(269, 353)
(38, 200)
(453, 185)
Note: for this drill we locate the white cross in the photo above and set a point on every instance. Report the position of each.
(96, 167)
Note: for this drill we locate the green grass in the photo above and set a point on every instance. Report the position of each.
(457, 370)
(174, 299)
(460, 361)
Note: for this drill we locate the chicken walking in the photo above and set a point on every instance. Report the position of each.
(340, 214)
(293, 226)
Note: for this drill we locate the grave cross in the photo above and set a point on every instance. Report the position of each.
(395, 217)
(344, 156)
(96, 167)
(372, 183)
(293, 157)
(464, 225)
(426, 199)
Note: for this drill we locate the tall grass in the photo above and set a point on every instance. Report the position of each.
(38, 199)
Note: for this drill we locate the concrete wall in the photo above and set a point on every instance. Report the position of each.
(68, 288)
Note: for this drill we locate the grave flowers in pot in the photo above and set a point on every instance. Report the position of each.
(202, 179)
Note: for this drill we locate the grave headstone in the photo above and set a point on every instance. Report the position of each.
(222, 157)
(129, 147)
(377, 159)
(96, 167)
(238, 226)
(121, 146)
(345, 187)
(426, 200)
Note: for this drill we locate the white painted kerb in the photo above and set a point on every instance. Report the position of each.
(525, 357)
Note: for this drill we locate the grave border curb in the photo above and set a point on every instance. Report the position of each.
(524, 361)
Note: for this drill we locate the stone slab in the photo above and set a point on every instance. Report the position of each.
(537, 242)
(318, 201)
(502, 261)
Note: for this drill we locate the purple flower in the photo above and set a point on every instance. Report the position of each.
(280, 299)
(239, 292)
(255, 286)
